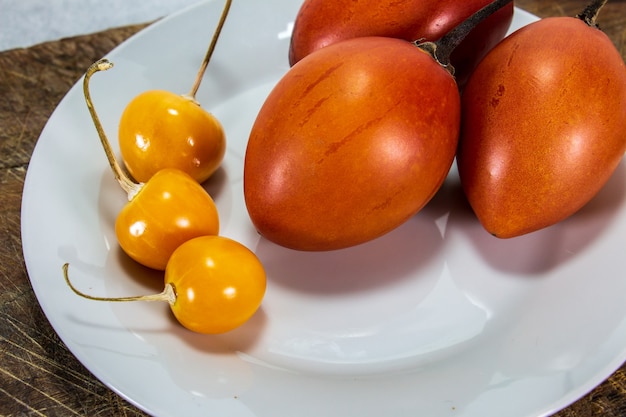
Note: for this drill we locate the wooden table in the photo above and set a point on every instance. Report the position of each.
(38, 375)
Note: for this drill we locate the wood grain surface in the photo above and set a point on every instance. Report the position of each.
(38, 375)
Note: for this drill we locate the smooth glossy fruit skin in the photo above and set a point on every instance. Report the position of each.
(219, 284)
(544, 125)
(354, 140)
(170, 209)
(320, 23)
(159, 129)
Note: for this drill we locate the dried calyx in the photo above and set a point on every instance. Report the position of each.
(590, 14)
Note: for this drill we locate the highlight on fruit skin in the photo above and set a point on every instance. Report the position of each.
(320, 23)
(170, 209)
(348, 147)
(355, 139)
(160, 129)
(542, 135)
(165, 211)
(212, 285)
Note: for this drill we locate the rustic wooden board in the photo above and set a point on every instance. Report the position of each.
(38, 375)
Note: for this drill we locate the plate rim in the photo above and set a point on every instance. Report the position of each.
(556, 406)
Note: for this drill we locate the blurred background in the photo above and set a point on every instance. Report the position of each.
(24, 23)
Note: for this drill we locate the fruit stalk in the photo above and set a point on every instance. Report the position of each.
(129, 186)
(442, 49)
(207, 57)
(590, 14)
(168, 294)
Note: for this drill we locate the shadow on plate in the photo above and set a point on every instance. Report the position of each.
(407, 252)
(543, 250)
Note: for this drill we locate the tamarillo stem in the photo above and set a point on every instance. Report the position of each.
(442, 49)
(590, 14)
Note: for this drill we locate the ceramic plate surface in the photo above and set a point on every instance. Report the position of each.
(437, 318)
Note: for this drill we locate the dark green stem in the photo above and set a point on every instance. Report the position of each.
(442, 49)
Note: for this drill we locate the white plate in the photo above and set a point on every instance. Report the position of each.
(435, 319)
